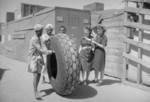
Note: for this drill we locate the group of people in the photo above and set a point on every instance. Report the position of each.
(39, 51)
(91, 51)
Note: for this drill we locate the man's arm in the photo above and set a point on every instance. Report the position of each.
(39, 48)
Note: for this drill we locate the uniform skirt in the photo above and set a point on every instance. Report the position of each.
(98, 62)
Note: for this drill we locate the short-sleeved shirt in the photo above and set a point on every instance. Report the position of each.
(99, 53)
(46, 39)
(86, 53)
(33, 51)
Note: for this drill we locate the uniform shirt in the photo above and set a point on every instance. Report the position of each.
(35, 48)
(86, 53)
(46, 39)
(101, 40)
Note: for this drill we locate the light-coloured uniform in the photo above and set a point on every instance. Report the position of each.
(46, 39)
(35, 58)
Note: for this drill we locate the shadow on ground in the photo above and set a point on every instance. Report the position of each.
(110, 81)
(106, 82)
(83, 92)
(2, 71)
(47, 92)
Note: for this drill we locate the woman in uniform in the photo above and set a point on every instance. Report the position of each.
(99, 53)
(85, 51)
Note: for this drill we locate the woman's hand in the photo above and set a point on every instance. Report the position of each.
(88, 39)
(86, 47)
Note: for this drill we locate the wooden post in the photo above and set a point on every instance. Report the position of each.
(139, 69)
(126, 48)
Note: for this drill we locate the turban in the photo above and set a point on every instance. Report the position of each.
(49, 26)
(38, 27)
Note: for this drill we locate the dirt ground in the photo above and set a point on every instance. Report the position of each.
(16, 86)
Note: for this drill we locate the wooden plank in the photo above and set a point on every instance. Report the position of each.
(140, 86)
(124, 76)
(114, 24)
(139, 69)
(137, 1)
(137, 25)
(137, 10)
(127, 29)
(18, 36)
(144, 46)
(125, 65)
(138, 44)
(26, 29)
(137, 60)
(125, 60)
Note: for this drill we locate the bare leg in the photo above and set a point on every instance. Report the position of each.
(43, 79)
(96, 75)
(42, 76)
(102, 76)
(36, 79)
(83, 73)
(87, 76)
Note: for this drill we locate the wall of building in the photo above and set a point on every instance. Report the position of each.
(74, 21)
(16, 44)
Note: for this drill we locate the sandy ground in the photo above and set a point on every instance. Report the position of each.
(16, 86)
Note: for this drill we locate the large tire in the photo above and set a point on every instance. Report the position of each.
(63, 68)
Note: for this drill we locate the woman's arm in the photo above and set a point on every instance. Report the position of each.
(80, 48)
(100, 45)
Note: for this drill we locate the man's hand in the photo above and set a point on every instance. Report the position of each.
(50, 52)
(53, 51)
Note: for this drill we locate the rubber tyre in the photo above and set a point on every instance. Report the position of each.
(63, 65)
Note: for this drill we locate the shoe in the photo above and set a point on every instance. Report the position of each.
(80, 82)
(99, 83)
(87, 82)
(96, 81)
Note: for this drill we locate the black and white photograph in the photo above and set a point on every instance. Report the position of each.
(74, 50)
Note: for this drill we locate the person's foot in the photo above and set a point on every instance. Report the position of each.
(86, 82)
(37, 95)
(43, 81)
(99, 83)
(80, 82)
(95, 80)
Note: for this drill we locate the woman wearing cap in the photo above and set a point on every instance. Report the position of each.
(85, 51)
(36, 61)
(100, 42)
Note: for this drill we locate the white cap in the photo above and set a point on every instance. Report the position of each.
(38, 27)
(49, 26)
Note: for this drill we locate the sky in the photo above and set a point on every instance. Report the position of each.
(11, 5)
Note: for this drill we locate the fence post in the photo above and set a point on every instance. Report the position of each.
(139, 69)
(126, 48)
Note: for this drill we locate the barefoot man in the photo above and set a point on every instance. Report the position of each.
(36, 61)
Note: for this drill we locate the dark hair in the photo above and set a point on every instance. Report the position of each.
(63, 27)
(88, 27)
(99, 26)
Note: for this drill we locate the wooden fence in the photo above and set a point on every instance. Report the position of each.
(140, 12)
